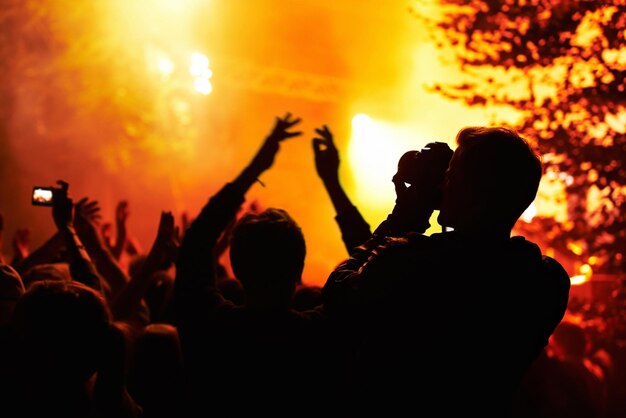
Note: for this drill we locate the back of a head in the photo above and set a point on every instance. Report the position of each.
(155, 375)
(47, 271)
(11, 289)
(267, 251)
(60, 327)
(500, 170)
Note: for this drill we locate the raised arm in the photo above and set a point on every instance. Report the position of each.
(81, 267)
(418, 183)
(87, 216)
(196, 293)
(354, 229)
(161, 256)
(121, 217)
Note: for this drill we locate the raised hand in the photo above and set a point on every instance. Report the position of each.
(326, 155)
(106, 231)
(281, 131)
(62, 206)
(122, 212)
(185, 222)
(21, 244)
(165, 247)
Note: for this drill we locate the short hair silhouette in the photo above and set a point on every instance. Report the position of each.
(267, 251)
(63, 324)
(496, 172)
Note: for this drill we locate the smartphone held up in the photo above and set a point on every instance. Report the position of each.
(42, 196)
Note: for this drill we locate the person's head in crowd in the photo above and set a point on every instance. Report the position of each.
(11, 289)
(159, 295)
(232, 290)
(267, 252)
(569, 341)
(492, 178)
(60, 328)
(155, 376)
(135, 264)
(49, 271)
(307, 297)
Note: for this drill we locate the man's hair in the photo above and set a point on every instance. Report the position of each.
(503, 167)
(62, 324)
(267, 250)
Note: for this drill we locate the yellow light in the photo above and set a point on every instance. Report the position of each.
(165, 66)
(374, 150)
(203, 85)
(578, 280)
(207, 73)
(574, 247)
(199, 64)
(586, 270)
(593, 260)
(530, 213)
(361, 122)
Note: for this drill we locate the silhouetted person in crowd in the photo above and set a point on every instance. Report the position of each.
(354, 229)
(450, 323)
(155, 378)
(262, 357)
(11, 289)
(69, 356)
(563, 382)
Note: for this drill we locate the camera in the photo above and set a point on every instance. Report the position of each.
(42, 196)
(429, 165)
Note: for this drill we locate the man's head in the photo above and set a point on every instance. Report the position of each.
(267, 252)
(61, 326)
(493, 177)
(11, 289)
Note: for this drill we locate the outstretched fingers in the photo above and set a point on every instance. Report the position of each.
(282, 126)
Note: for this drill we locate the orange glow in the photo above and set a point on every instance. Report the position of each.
(586, 270)
(163, 101)
(575, 247)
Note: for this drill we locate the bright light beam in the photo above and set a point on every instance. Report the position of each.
(373, 153)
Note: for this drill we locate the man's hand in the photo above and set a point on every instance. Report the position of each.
(165, 247)
(62, 206)
(21, 243)
(326, 155)
(264, 158)
(87, 216)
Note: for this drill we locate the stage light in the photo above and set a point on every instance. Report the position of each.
(203, 85)
(199, 64)
(165, 66)
(374, 150)
(361, 122)
(199, 68)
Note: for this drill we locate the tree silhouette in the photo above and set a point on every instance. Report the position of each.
(559, 67)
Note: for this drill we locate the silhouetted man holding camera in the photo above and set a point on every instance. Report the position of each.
(449, 323)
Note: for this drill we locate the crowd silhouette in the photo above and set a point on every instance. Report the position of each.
(471, 321)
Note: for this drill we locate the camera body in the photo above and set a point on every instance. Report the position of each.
(430, 163)
(42, 196)
(425, 167)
